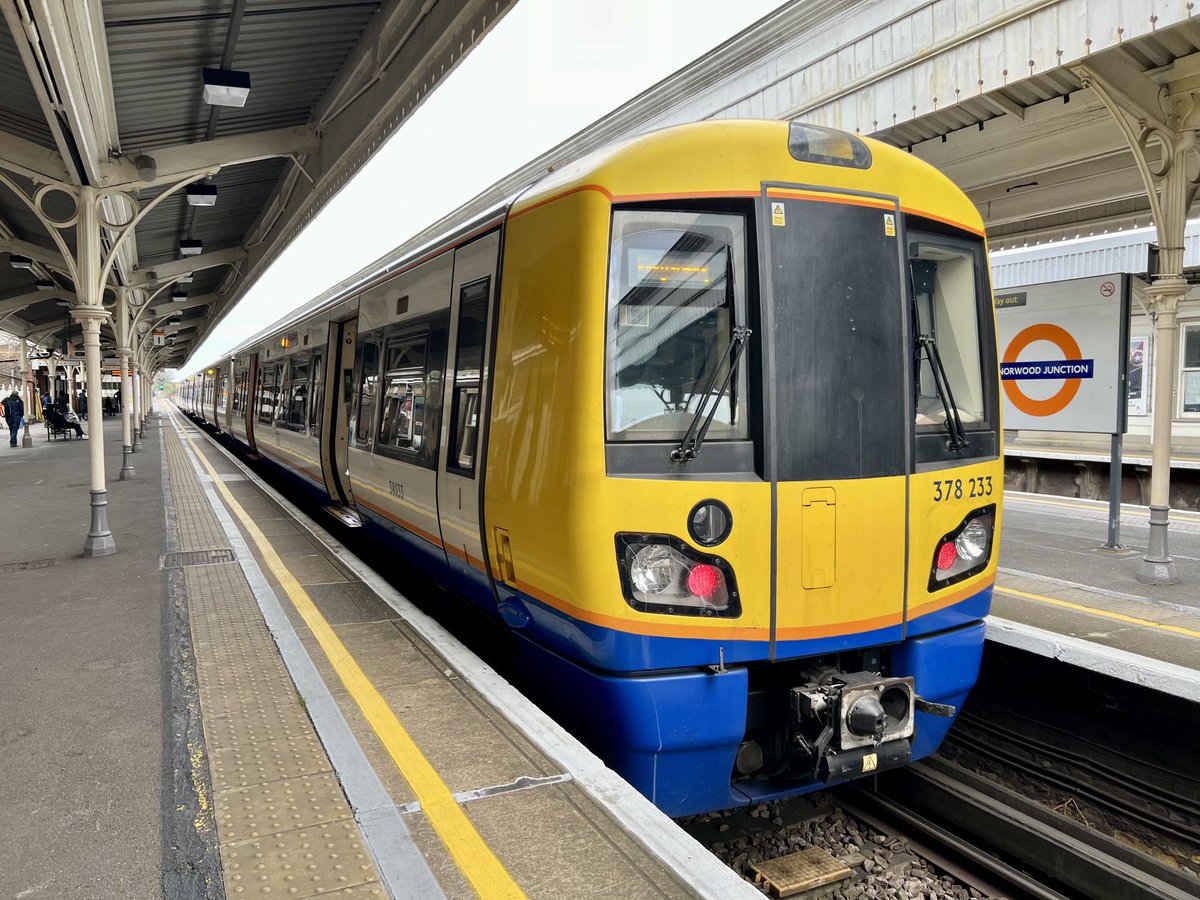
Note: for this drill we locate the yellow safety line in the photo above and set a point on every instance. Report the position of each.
(1180, 515)
(471, 853)
(1133, 620)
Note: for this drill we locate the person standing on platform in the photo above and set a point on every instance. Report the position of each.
(83, 404)
(14, 415)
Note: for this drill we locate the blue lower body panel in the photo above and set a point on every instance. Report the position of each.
(673, 737)
(944, 667)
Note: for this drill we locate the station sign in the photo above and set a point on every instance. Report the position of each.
(1064, 347)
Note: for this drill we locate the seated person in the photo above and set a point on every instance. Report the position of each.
(63, 421)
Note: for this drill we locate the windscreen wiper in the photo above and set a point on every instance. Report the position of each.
(958, 437)
(689, 447)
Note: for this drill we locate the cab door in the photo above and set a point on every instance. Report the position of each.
(467, 383)
(837, 333)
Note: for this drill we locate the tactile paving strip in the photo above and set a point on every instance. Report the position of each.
(280, 806)
(284, 826)
(310, 860)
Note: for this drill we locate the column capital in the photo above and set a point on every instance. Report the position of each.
(1165, 293)
(89, 313)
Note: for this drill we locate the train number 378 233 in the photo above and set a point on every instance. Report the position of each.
(960, 488)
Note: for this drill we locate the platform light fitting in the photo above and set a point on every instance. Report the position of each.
(62, 302)
(175, 321)
(178, 296)
(226, 87)
(44, 284)
(147, 168)
(191, 247)
(187, 278)
(20, 262)
(202, 194)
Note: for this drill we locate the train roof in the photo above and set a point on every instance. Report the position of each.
(727, 158)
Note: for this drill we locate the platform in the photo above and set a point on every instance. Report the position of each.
(233, 702)
(322, 736)
(1055, 580)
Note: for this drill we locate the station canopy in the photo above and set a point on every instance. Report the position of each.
(115, 95)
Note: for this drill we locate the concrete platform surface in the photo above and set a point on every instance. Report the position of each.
(1054, 576)
(81, 674)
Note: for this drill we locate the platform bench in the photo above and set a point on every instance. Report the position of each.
(53, 431)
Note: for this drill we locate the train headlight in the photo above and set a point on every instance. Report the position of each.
(654, 569)
(965, 551)
(972, 542)
(662, 574)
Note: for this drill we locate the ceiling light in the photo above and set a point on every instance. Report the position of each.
(226, 87)
(20, 262)
(201, 194)
(44, 284)
(185, 279)
(178, 295)
(191, 247)
(175, 321)
(62, 302)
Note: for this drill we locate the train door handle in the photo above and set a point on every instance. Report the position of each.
(504, 557)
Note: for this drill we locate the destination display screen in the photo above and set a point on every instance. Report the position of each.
(652, 268)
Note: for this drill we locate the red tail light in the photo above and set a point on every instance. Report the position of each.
(702, 581)
(947, 555)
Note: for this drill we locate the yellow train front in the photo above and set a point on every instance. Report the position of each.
(743, 464)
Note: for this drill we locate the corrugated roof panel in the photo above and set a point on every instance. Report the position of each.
(292, 51)
(20, 112)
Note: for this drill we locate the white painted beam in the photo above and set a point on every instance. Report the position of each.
(169, 271)
(185, 159)
(52, 259)
(31, 160)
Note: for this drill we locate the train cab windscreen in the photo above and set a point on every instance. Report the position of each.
(676, 296)
(954, 414)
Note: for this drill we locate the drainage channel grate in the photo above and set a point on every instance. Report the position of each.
(6, 568)
(196, 558)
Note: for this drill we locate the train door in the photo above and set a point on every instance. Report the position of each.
(834, 327)
(230, 389)
(466, 384)
(251, 402)
(333, 425)
(220, 381)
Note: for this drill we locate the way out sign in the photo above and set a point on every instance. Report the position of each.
(1063, 351)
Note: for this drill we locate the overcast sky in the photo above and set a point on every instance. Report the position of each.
(547, 70)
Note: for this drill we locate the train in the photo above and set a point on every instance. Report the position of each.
(706, 422)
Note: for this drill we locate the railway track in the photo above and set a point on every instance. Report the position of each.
(1003, 843)
(1135, 792)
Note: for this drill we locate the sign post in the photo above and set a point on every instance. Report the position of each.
(1064, 366)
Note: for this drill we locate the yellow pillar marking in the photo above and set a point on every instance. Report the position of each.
(1120, 617)
(471, 853)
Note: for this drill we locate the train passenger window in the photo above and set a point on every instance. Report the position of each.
(676, 291)
(239, 399)
(222, 394)
(268, 377)
(296, 413)
(950, 388)
(403, 422)
(366, 371)
(464, 414)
